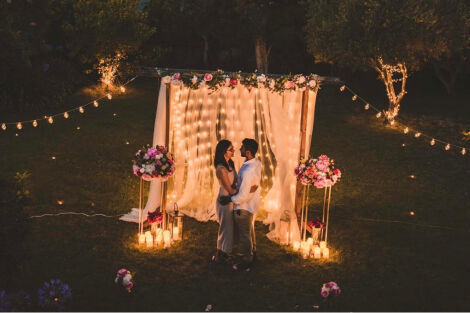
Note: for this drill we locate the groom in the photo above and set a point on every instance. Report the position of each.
(246, 203)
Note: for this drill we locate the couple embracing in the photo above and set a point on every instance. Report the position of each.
(238, 202)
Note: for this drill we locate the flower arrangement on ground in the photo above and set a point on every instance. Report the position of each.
(53, 295)
(155, 217)
(124, 278)
(320, 172)
(330, 288)
(152, 163)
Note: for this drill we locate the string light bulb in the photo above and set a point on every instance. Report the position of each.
(342, 88)
(95, 104)
(463, 151)
(354, 98)
(417, 135)
(35, 123)
(109, 96)
(447, 147)
(66, 115)
(50, 120)
(433, 142)
(406, 130)
(4, 126)
(19, 125)
(367, 106)
(81, 110)
(123, 89)
(378, 115)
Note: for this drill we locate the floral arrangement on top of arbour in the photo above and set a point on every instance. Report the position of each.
(320, 172)
(217, 79)
(152, 163)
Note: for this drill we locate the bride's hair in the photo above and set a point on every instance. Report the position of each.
(220, 150)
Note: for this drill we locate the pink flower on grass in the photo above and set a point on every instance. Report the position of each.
(208, 77)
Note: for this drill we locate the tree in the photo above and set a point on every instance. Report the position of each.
(391, 36)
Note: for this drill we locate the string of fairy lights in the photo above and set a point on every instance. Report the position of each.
(65, 114)
(403, 127)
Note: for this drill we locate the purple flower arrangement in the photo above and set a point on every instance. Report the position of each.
(53, 295)
(330, 288)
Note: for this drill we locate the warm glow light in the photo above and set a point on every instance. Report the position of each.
(4, 126)
(406, 130)
(418, 134)
(81, 110)
(433, 142)
(403, 144)
(109, 96)
(35, 123)
(354, 98)
(342, 88)
(19, 125)
(95, 104)
(367, 106)
(447, 147)
(114, 114)
(463, 151)
(50, 120)
(412, 176)
(378, 115)
(392, 122)
(60, 202)
(78, 127)
(412, 213)
(53, 157)
(123, 89)
(127, 142)
(66, 115)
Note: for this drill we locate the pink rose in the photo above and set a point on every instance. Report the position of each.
(234, 81)
(301, 80)
(289, 84)
(208, 77)
(324, 292)
(324, 158)
(312, 83)
(322, 165)
(158, 163)
(176, 76)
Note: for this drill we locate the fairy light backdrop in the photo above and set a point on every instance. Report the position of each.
(199, 118)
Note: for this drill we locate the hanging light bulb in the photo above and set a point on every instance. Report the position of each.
(19, 125)
(367, 106)
(463, 151)
(4, 126)
(433, 142)
(354, 98)
(123, 89)
(342, 88)
(50, 120)
(35, 123)
(81, 110)
(66, 115)
(109, 96)
(406, 130)
(447, 147)
(378, 115)
(95, 104)
(418, 134)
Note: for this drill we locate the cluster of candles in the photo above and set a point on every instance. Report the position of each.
(308, 249)
(162, 238)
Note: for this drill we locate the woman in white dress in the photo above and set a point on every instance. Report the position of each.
(227, 176)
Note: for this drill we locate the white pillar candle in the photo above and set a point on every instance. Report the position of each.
(305, 249)
(147, 233)
(149, 241)
(296, 245)
(167, 238)
(141, 239)
(326, 253)
(322, 244)
(310, 241)
(176, 233)
(316, 252)
(159, 238)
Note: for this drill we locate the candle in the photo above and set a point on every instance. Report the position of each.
(310, 241)
(316, 252)
(296, 245)
(149, 241)
(322, 244)
(326, 253)
(141, 238)
(158, 238)
(305, 249)
(167, 238)
(176, 232)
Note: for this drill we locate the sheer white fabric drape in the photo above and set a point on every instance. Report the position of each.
(200, 118)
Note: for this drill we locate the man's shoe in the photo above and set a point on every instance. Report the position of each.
(243, 266)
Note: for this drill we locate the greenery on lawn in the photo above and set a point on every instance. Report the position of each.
(380, 265)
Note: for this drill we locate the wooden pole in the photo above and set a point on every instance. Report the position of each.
(167, 143)
(303, 139)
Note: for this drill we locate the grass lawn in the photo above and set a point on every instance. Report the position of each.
(379, 265)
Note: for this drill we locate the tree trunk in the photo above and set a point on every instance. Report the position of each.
(447, 76)
(262, 54)
(206, 51)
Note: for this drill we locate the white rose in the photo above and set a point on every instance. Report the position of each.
(142, 170)
(301, 80)
(261, 78)
(194, 80)
(312, 83)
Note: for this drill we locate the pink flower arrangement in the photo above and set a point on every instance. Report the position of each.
(233, 82)
(208, 77)
(320, 172)
(152, 163)
(176, 76)
(316, 223)
(330, 288)
(289, 84)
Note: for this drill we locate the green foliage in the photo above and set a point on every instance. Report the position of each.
(354, 33)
